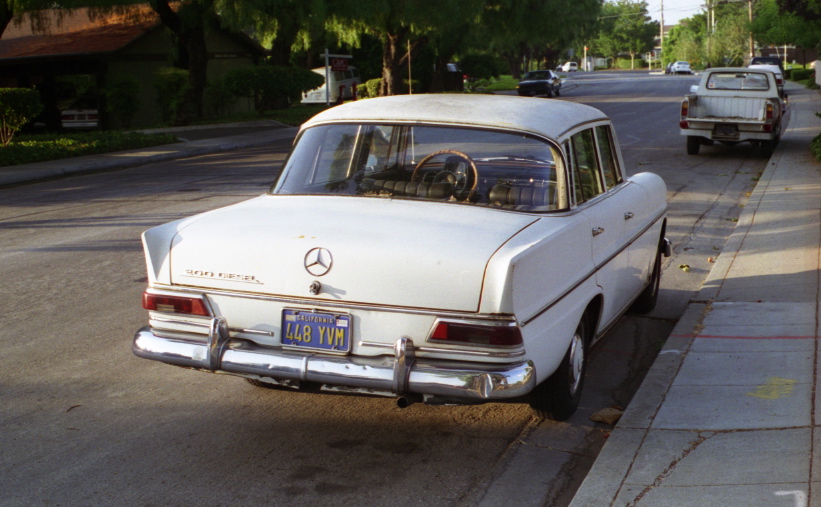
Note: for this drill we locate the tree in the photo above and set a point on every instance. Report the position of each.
(627, 28)
(771, 25)
(518, 29)
(17, 106)
(404, 27)
(188, 24)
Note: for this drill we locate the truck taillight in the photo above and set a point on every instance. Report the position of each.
(768, 117)
(175, 304)
(505, 335)
(685, 111)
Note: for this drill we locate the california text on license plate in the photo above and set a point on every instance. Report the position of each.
(314, 330)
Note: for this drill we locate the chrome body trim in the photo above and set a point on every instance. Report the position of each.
(322, 303)
(442, 350)
(400, 373)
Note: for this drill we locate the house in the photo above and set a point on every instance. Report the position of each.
(75, 54)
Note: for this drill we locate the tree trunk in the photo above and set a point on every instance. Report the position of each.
(191, 35)
(395, 60)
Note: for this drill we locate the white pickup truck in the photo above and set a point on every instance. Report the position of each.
(732, 105)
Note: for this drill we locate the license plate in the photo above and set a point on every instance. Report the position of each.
(726, 130)
(316, 331)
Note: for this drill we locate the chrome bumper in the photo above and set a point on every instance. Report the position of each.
(398, 375)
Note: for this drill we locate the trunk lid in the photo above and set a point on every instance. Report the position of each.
(380, 251)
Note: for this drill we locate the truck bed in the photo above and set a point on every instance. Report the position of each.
(728, 108)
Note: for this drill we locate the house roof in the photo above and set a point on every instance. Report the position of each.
(78, 32)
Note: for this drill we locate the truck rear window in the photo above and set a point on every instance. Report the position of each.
(755, 81)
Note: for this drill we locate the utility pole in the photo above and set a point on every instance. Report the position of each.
(661, 35)
(752, 44)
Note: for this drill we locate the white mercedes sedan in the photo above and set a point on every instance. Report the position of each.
(446, 249)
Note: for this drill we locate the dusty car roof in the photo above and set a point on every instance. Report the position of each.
(550, 118)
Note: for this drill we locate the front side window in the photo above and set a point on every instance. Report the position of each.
(448, 164)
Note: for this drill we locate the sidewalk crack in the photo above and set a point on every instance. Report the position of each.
(702, 437)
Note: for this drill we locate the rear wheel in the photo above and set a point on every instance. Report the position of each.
(558, 397)
(648, 297)
(693, 145)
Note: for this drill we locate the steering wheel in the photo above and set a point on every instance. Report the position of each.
(460, 184)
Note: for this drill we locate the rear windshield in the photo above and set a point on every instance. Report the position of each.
(755, 81)
(537, 75)
(430, 163)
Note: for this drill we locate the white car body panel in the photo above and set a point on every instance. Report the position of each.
(423, 240)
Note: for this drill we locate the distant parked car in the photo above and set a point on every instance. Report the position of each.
(775, 69)
(540, 82)
(344, 80)
(570, 67)
(767, 60)
(680, 68)
(81, 114)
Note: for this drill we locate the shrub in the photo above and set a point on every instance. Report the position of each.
(172, 90)
(272, 87)
(625, 64)
(815, 147)
(801, 74)
(218, 98)
(371, 88)
(121, 99)
(17, 106)
(37, 148)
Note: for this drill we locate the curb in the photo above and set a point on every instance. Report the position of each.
(28, 173)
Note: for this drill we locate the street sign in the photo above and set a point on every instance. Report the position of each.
(340, 64)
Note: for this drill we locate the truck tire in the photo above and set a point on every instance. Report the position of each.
(693, 145)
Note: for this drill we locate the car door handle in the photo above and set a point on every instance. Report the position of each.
(598, 230)
(628, 215)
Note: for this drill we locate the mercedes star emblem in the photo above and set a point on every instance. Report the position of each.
(318, 261)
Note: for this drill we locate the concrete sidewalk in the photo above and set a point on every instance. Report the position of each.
(727, 414)
(197, 141)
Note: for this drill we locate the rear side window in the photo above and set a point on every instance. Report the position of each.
(585, 168)
(610, 169)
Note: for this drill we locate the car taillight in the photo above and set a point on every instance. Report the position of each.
(68, 117)
(175, 304)
(505, 335)
(685, 111)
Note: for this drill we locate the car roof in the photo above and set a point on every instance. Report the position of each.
(756, 68)
(548, 118)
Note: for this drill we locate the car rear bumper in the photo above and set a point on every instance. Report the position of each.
(396, 375)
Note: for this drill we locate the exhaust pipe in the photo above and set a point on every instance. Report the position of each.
(406, 401)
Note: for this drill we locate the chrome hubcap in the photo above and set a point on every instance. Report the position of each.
(576, 362)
